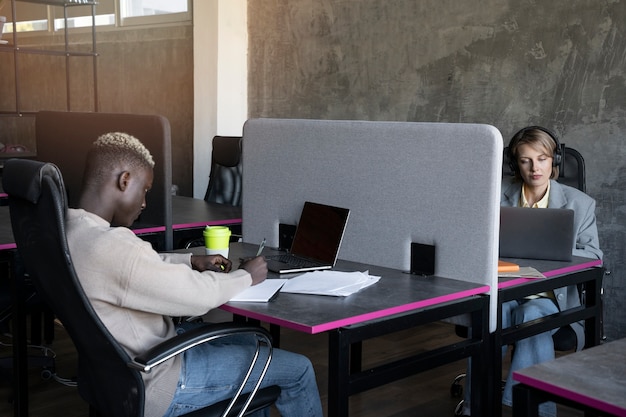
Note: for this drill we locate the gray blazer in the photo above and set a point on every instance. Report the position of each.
(586, 231)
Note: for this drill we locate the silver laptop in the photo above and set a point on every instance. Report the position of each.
(316, 242)
(536, 233)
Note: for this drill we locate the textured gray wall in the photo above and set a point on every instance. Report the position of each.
(509, 63)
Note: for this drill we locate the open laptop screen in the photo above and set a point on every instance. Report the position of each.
(536, 233)
(319, 232)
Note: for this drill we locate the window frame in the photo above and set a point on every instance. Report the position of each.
(119, 22)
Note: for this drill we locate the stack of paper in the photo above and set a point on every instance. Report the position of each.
(335, 283)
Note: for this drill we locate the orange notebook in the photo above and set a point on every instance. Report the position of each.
(504, 266)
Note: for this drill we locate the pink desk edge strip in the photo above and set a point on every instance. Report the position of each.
(202, 224)
(357, 319)
(574, 268)
(553, 273)
(565, 393)
(158, 229)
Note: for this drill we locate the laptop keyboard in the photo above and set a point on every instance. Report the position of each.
(294, 261)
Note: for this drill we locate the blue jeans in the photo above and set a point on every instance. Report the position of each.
(529, 351)
(212, 372)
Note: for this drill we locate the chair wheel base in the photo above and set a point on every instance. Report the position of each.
(456, 389)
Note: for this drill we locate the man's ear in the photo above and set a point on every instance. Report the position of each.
(122, 180)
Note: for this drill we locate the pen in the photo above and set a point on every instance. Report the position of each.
(261, 246)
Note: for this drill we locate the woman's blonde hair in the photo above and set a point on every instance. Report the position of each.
(539, 139)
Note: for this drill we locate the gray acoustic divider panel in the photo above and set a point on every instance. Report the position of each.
(64, 139)
(432, 183)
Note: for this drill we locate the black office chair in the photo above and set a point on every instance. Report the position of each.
(224, 180)
(572, 173)
(108, 379)
(226, 169)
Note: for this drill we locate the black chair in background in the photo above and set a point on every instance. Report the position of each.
(226, 169)
(108, 379)
(224, 180)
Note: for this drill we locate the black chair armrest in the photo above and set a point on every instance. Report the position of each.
(244, 404)
(190, 338)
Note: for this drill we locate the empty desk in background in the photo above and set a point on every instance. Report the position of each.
(593, 380)
(580, 271)
(189, 217)
(397, 302)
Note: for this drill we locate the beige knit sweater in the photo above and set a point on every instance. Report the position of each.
(134, 290)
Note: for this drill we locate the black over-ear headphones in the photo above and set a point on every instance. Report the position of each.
(556, 157)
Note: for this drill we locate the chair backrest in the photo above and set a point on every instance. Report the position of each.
(64, 138)
(571, 170)
(38, 206)
(226, 169)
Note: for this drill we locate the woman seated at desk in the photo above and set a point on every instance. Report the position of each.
(534, 155)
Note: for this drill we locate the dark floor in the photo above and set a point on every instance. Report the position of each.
(424, 395)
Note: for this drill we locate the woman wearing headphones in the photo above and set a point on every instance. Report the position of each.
(534, 155)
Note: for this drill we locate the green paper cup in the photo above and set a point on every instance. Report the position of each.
(216, 240)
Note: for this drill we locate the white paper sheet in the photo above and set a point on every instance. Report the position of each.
(260, 293)
(334, 283)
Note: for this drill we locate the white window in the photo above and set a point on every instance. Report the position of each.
(41, 15)
(147, 12)
(135, 8)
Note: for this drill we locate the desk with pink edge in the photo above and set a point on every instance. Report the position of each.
(397, 302)
(584, 272)
(189, 217)
(592, 380)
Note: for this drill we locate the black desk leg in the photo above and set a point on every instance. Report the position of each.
(481, 393)
(592, 298)
(275, 332)
(20, 358)
(274, 328)
(525, 403)
(495, 364)
(338, 373)
(356, 356)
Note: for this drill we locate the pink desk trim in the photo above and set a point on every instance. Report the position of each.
(146, 230)
(553, 273)
(156, 229)
(159, 229)
(570, 269)
(356, 319)
(565, 393)
(202, 224)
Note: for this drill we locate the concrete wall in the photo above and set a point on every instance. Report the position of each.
(508, 63)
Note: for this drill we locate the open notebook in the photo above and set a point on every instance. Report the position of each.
(316, 242)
